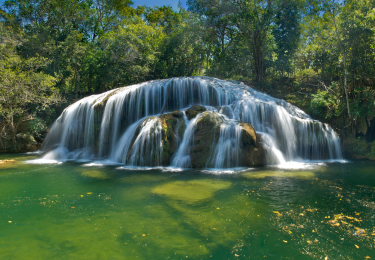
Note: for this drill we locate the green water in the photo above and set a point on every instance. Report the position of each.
(70, 211)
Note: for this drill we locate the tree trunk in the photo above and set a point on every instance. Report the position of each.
(345, 68)
(13, 131)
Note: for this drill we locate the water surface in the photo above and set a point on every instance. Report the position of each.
(77, 211)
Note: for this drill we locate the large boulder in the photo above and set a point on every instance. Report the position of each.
(145, 147)
(172, 131)
(173, 128)
(252, 151)
(194, 111)
(249, 136)
(206, 136)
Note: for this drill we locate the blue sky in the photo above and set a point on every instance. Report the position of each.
(152, 3)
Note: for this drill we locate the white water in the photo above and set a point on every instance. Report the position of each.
(87, 131)
(182, 157)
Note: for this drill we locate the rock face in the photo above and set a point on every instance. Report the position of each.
(169, 128)
(173, 128)
(194, 111)
(206, 136)
(252, 150)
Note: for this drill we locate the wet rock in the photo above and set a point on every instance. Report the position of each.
(7, 164)
(194, 111)
(145, 145)
(253, 155)
(226, 110)
(278, 174)
(173, 128)
(249, 136)
(206, 136)
(96, 174)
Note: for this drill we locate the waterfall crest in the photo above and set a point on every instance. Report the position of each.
(124, 125)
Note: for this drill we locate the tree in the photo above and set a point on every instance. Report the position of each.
(287, 31)
(22, 85)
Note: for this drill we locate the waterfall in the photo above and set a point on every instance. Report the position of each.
(123, 125)
(226, 154)
(182, 158)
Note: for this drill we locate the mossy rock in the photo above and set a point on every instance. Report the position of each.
(194, 111)
(279, 174)
(249, 136)
(173, 128)
(152, 159)
(225, 110)
(191, 192)
(252, 151)
(206, 136)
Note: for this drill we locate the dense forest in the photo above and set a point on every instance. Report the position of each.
(318, 55)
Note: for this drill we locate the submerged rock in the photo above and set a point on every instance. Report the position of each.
(96, 174)
(6, 163)
(191, 192)
(279, 174)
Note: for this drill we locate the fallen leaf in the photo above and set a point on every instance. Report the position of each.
(89, 193)
(356, 246)
(285, 241)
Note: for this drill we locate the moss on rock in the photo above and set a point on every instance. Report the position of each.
(206, 136)
(194, 111)
(173, 127)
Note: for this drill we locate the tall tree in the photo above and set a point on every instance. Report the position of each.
(22, 84)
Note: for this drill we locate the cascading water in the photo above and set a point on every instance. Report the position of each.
(123, 125)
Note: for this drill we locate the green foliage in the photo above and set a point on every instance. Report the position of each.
(36, 127)
(291, 49)
(325, 104)
(22, 85)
